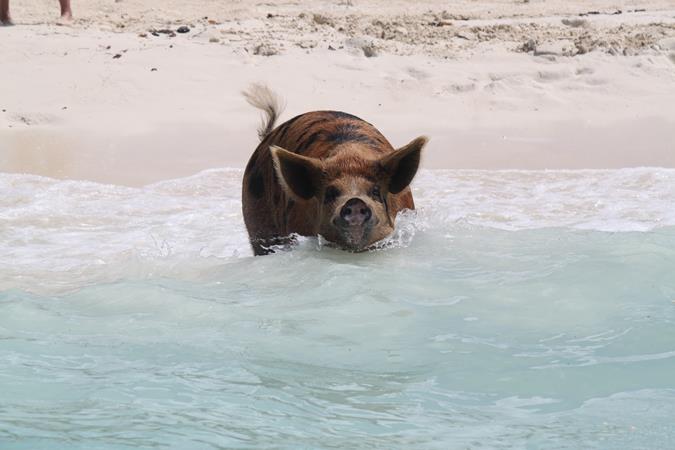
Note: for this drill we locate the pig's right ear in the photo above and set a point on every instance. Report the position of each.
(300, 177)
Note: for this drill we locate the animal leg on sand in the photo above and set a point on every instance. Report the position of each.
(66, 12)
(6, 19)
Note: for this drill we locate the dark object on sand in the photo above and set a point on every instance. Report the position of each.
(166, 31)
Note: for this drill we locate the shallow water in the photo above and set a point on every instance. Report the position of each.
(514, 309)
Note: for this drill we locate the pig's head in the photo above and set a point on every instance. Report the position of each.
(352, 190)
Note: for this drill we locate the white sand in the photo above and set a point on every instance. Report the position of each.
(69, 109)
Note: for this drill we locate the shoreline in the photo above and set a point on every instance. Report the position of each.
(115, 160)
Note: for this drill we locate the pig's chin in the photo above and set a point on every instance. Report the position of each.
(352, 239)
(357, 239)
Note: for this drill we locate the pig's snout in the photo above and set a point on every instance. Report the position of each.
(355, 213)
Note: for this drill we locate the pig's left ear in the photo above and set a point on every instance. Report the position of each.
(401, 165)
(300, 177)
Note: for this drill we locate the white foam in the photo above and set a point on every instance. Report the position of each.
(638, 199)
(53, 232)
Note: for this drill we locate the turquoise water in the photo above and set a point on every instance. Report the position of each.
(513, 310)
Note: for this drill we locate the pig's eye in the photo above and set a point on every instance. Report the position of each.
(332, 193)
(375, 193)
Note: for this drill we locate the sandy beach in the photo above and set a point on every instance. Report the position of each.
(119, 96)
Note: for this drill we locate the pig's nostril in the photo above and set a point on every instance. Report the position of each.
(348, 211)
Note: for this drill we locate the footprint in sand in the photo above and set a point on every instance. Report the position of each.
(585, 76)
(31, 119)
(460, 88)
(417, 73)
(553, 75)
(596, 81)
(585, 71)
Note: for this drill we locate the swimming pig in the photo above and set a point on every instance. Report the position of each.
(325, 173)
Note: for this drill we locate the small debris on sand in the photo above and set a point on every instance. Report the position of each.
(183, 29)
(441, 23)
(529, 46)
(556, 48)
(369, 50)
(166, 31)
(320, 19)
(265, 50)
(445, 15)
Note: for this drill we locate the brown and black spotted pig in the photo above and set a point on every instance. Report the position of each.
(324, 173)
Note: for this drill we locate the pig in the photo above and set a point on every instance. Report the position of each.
(326, 173)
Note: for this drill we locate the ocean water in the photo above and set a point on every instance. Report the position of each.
(513, 309)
